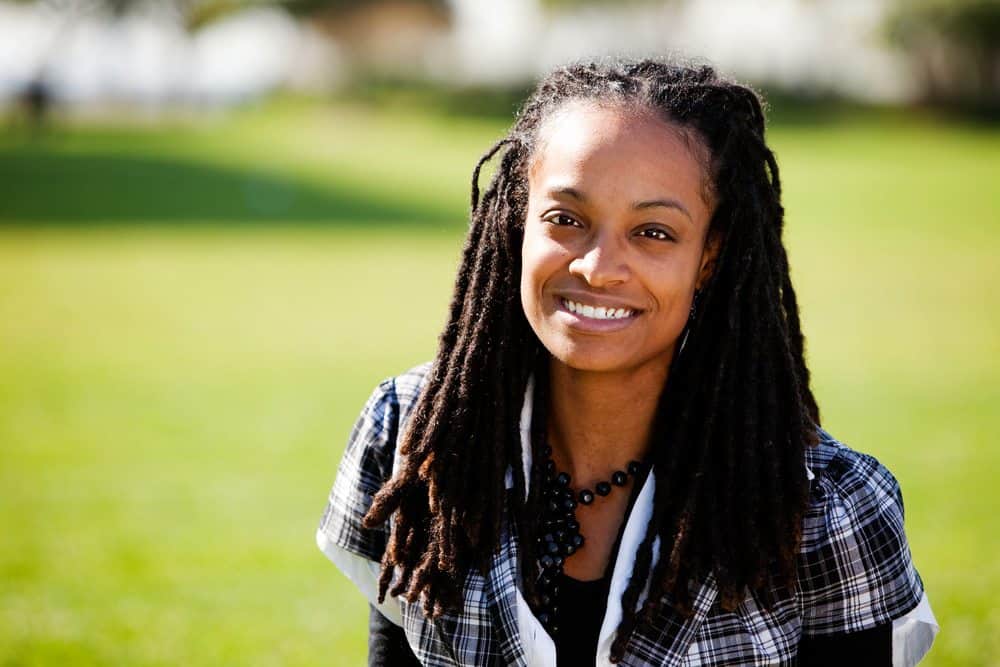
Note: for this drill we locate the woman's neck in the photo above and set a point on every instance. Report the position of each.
(600, 421)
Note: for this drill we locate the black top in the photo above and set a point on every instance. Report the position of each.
(387, 646)
(581, 612)
(868, 647)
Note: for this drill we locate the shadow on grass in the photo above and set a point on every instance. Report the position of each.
(41, 187)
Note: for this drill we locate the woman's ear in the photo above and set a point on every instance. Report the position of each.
(708, 256)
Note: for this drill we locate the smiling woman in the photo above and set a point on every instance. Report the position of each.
(618, 218)
(615, 455)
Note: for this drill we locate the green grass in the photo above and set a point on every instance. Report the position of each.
(191, 316)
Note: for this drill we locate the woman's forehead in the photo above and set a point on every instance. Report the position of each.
(586, 143)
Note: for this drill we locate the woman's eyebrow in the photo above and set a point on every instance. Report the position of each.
(668, 202)
(555, 192)
(665, 203)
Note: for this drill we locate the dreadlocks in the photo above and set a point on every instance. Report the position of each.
(734, 417)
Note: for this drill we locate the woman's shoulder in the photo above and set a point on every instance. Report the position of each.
(368, 461)
(409, 384)
(383, 416)
(855, 566)
(401, 391)
(840, 474)
(389, 405)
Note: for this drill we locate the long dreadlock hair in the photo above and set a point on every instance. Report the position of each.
(734, 417)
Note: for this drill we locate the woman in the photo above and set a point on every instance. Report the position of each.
(615, 455)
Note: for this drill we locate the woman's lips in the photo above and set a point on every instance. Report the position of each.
(595, 318)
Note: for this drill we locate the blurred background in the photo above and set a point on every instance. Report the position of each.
(222, 222)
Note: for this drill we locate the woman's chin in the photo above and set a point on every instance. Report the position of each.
(590, 360)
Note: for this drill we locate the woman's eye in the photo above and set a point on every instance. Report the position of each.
(656, 233)
(563, 220)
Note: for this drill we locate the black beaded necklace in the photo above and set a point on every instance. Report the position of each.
(560, 536)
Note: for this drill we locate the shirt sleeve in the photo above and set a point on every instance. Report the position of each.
(366, 465)
(855, 567)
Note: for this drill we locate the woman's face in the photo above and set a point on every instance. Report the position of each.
(615, 237)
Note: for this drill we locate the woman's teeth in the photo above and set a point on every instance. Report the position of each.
(598, 313)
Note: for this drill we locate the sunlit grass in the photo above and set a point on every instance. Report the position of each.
(174, 398)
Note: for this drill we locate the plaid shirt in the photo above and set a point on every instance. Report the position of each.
(854, 567)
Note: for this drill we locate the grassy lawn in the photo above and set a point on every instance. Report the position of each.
(192, 314)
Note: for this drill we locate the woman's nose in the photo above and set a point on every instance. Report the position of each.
(601, 263)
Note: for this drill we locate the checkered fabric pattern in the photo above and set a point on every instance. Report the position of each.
(854, 571)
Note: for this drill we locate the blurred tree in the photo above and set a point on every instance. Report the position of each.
(205, 11)
(347, 6)
(378, 38)
(954, 46)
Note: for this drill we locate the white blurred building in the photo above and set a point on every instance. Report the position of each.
(147, 58)
(832, 45)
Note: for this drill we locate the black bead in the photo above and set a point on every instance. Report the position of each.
(544, 618)
(634, 467)
(619, 478)
(546, 452)
(550, 467)
(586, 496)
(546, 561)
(577, 540)
(545, 600)
(568, 550)
(549, 537)
(553, 506)
(569, 504)
(603, 488)
(560, 536)
(572, 525)
(554, 628)
(563, 479)
(557, 560)
(552, 547)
